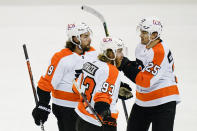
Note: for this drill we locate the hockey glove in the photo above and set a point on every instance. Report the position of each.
(109, 121)
(125, 61)
(40, 113)
(102, 108)
(125, 91)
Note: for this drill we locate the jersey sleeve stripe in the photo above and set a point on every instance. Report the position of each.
(143, 78)
(113, 74)
(167, 91)
(74, 88)
(104, 97)
(45, 85)
(114, 115)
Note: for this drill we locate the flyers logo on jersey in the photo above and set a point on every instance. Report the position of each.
(107, 39)
(71, 26)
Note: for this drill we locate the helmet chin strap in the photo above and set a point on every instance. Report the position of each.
(150, 39)
(79, 45)
(111, 58)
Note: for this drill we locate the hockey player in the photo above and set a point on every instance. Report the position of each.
(156, 85)
(100, 82)
(64, 67)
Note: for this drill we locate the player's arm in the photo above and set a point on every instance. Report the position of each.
(102, 98)
(129, 69)
(106, 94)
(45, 85)
(51, 79)
(143, 77)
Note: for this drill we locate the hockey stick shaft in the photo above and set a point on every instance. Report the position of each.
(30, 73)
(87, 102)
(125, 110)
(32, 80)
(105, 28)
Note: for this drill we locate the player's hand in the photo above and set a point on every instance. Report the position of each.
(125, 91)
(40, 113)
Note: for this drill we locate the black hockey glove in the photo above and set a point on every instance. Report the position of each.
(40, 113)
(125, 91)
(125, 61)
(109, 121)
(103, 109)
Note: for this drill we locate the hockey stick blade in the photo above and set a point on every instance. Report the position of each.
(94, 12)
(97, 14)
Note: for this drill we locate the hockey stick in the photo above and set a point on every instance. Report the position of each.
(87, 102)
(32, 81)
(97, 14)
(100, 16)
(125, 110)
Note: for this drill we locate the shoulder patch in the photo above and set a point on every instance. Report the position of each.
(90, 68)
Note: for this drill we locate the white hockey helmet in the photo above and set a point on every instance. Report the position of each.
(111, 43)
(77, 30)
(151, 25)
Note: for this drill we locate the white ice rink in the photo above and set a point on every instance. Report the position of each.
(42, 29)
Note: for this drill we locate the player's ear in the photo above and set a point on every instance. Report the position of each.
(75, 39)
(154, 35)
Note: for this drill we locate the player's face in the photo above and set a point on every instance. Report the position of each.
(85, 41)
(119, 57)
(145, 38)
(144, 35)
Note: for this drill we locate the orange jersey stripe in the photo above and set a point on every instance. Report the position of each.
(143, 78)
(65, 95)
(114, 115)
(75, 89)
(113, 74)
(167, 91)
(45, 82)
(104, 97)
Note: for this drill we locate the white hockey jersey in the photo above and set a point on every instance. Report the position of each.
(156, 83)
(100, 82)
(64, 67)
